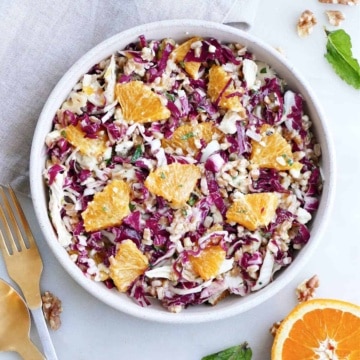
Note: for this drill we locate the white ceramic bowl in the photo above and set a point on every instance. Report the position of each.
(179, 30)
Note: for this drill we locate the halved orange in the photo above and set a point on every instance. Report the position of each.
(207, 263)
(127, 265)
(108, 207)
(140, 104)
(219, 80)
(253, 210)
(273, 151)
(319, 329)
(173, 182)
(191, 67)
(184, 136)
(87, 146)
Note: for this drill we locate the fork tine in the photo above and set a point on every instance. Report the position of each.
(10, 245)
(3, 245)
(22, 217)
(12, 219)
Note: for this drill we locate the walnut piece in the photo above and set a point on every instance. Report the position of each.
(306, 23)
(341, 2)
(306, 290)
(335, 17)
(52, 308)
(215, 299)
(275, 328)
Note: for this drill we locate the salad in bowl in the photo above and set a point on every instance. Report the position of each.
(182, 172)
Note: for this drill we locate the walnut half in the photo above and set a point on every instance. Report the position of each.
(52, 308)
(306, 290)
(306, 23)
(341, 2)
(335, 17)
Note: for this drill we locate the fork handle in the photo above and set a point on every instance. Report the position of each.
(27, 350)
(44, 335)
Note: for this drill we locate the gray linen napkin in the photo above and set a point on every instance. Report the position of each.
(40, 40)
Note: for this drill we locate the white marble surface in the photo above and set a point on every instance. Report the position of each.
(92, 330)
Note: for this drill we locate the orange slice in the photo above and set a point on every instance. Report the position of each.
(207, 263)
(185, 136)
(273, 151)
(319, 329)
(218, 81)
(173, 182)
(253, 210)
(87, 146)
(191, 67)
(108, 207)
(127, 265)
(139, 103)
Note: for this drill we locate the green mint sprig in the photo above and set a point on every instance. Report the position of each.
(339, 55)
(238, 352)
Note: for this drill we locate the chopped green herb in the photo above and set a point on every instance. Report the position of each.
(288, 160)
(104, 209)
(182, 64)
(263, 70)
(170, 97)
(162, 175)
(242, 211)
(266, 235)
(187, 136)
(184, 212)
(239, 352)
(192, 200)
(63, 133)
(132, 207)
(137, 153)
(339, 55)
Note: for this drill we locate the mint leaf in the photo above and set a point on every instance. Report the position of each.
(339, 55)
(239, 352)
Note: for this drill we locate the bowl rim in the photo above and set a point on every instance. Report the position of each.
(38, 195)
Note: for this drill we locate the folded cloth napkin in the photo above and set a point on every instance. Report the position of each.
(40, 40)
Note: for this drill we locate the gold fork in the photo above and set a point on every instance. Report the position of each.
(23, 262)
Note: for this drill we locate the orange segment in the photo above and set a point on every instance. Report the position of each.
(191, 67)
(173, 182)
(253, 210)
(316, 326)
(139, 103)
(108, 207)
(207, 263)
(218, 81)
(181, 51)
(128, 264)
(185, 136)
(87, 146)
(273, 151)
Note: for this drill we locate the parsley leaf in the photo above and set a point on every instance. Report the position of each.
(137, 154)
(339, 55)
(187, 136)
(192, 200)
(263, 70)
(239, 352)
